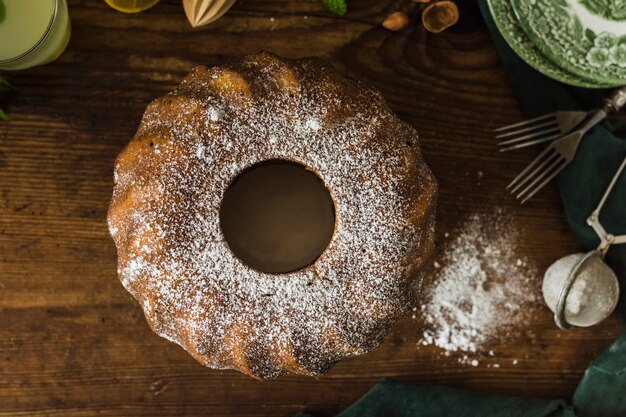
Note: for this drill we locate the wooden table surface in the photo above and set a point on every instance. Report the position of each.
(74, 343)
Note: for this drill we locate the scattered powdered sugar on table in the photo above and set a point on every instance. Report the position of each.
(484, 291)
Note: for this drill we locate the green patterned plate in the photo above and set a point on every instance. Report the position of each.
(584, 37)
(514, 35)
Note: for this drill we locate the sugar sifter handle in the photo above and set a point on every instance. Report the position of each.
(610, 187)
(616, 100)
(606, 239)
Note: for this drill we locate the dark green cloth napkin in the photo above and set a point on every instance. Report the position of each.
(602, 391)
(391, 398)
(584, 181)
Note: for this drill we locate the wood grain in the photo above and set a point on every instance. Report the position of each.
(74, 343)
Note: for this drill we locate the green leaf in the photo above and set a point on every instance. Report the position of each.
(336, 6)
(4, 83)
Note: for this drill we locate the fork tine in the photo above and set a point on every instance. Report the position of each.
(540, 176)
(531, 136)
(525, 122)
(528, 129)
(529, 143)
(547, 180)
(535, 173)
(529, 167)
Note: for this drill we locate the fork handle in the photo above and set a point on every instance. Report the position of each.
(616, 100)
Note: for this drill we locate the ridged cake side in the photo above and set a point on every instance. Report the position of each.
(164, 216)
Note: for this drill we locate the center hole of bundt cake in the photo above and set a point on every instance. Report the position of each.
(277, 216)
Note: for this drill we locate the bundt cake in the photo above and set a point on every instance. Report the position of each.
(170, 181)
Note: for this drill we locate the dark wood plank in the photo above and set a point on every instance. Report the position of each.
(74, 343)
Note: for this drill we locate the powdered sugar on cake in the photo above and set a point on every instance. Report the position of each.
(175, 261)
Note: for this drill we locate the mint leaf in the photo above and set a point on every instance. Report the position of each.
(4, 83)
(336, 6)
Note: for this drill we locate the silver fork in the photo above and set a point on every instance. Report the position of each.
(538, 130)
(547, 127)
(560, 153)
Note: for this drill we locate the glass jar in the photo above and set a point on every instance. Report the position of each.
(32, 32)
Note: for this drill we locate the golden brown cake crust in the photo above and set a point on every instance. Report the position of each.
(172, 256)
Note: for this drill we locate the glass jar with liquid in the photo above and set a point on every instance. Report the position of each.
(32, 32)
